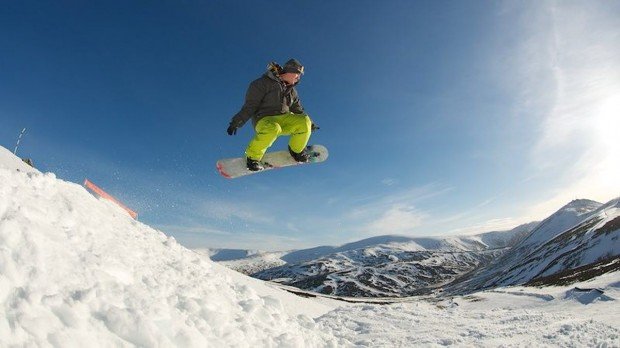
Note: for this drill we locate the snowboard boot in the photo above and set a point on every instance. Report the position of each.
(301, 157)
(254, 165)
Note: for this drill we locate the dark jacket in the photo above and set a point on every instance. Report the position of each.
(267, 96)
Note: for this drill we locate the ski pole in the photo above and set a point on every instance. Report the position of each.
(18, 140)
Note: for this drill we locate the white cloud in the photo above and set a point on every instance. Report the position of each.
(392, 213)
(498, 224)
(397, 219)
(567, 79)
(579, 137)
(293, 227)
(373, 205)
(468, 214)
(388, 181)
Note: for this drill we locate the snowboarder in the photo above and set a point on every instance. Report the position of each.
(273, 105)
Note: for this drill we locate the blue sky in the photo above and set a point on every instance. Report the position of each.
(440, 117)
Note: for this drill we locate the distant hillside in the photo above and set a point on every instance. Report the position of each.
(388, 266)
(581, 233)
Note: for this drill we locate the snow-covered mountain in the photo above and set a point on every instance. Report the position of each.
(388, 266)
(579, 234)
(254, 261)
(488, 240)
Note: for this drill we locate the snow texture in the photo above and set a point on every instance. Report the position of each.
(75, 270)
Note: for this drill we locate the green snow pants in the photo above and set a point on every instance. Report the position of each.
(268, 128)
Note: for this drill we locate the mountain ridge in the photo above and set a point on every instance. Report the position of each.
(572, 242)
(396, 265)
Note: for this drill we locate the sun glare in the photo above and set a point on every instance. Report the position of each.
(607, 129)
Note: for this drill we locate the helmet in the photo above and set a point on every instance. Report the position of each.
(293, 66)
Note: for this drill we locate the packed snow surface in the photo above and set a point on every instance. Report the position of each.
(76, 271)
(523, 317)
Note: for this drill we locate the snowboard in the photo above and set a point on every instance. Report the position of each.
(236, 167)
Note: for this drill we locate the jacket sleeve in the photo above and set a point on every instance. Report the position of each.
(296, 106)
(253, 98)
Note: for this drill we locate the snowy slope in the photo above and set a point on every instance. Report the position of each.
(388, 266)
(594, 239)
(8, 160)
(581, 233)
(472, 250)
(483, 241)
(573, 316)
(75, 270)
(565, 218)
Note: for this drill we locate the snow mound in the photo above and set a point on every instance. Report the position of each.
(78, 271)
(587, 296)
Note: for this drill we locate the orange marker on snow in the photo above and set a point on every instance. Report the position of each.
(89, 185)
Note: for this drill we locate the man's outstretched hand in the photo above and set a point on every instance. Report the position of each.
(232, 130)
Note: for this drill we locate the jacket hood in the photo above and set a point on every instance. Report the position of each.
(270, 74)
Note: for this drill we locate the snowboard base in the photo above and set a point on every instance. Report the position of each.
(236, 167)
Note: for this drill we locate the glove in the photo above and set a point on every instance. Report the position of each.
(232, 130)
